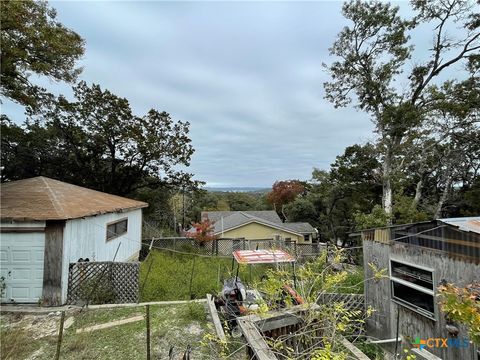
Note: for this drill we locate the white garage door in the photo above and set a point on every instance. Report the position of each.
(21, 263)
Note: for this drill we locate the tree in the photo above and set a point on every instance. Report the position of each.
(34, 42)
(97, 142)
(240, 201)
(351, 185)
(203, 231)
(374, 53)
(284, 192)
(302, 209)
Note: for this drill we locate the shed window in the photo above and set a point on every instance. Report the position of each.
(117, 228)
(412, 287)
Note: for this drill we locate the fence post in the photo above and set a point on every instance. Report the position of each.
(147, 321)
(60, 336)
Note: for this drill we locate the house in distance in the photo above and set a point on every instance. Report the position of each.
(252, 225)
(47, 224)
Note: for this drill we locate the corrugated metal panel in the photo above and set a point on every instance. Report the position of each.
(465, 224)
(382, 235)
(441, 237)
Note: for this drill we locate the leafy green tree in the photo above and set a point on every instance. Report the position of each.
(302, 209)
(96, 141)
(374, 53)
(239, 201)
(351, 185)
(377, 218)
(35, 42)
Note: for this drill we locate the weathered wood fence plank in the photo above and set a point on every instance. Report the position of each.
(216, 320)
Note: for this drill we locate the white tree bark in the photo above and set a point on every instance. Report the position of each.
(418, 193)
(444, 197)
(387, 197)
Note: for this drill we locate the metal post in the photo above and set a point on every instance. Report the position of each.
(294, 276)
(147, 322)
(191, 277)
(238, 269)
(396, 335)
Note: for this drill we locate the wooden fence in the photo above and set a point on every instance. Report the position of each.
(285, 326)
(103, 282)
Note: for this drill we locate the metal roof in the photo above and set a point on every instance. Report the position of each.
(42, 198)
(465, 223)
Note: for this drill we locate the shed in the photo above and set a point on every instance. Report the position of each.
(419, 257)
(47, 224)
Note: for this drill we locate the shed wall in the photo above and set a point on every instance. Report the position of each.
(86, 238)
(378, 295)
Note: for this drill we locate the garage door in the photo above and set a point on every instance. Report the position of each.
(21, 261)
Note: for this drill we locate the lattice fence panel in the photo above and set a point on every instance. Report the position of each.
(103, 282)
(125, 279)
(350, 301)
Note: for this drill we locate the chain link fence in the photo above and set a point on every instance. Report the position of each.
(225, 247)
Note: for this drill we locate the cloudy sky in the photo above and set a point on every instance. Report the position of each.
(246, 75)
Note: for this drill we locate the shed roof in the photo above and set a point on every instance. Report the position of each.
(464, 223)
(42, 198)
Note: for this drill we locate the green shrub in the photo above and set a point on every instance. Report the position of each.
(96, 290)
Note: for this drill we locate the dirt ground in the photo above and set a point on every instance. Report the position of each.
(174, 330)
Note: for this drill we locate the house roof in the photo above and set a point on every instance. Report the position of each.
(465, 223)
(301, 227)
(42, 198)
(269, 215)
(235, 219)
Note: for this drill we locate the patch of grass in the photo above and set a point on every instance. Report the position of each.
(193, 312)
(17, 344)
(178, 326)
(89, 317)
(170, 276)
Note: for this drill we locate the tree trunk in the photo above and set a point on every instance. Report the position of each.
(283, 214)
(444, 196)
(387, 197)
(418, 193)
